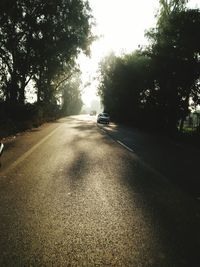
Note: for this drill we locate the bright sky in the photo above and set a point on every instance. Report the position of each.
(122, 24)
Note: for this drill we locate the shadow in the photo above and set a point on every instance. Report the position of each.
(34, 130)
(85, 128)
(177, 163)
(174, 216)
(110, 222)
(9, 144)
(170, 215)
(77, 170)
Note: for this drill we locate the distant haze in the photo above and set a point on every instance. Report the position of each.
(121, 25)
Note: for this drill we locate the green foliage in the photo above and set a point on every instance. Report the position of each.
(39, 40)
(124, 82)
(153, 88)
(175, 51)
(71, 96)
(20, 117)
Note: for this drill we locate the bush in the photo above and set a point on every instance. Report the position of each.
(16, 118)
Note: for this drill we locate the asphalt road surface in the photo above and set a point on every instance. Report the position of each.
(72, 195)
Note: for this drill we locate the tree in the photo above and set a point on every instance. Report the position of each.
(71, 95)
(155, 85)
(124, 84)
(38, 39)
(175, 51)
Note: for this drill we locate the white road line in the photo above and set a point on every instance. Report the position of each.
(122, 144)
(119, 142)
(144, 164)
(30, 151)
(103, 130)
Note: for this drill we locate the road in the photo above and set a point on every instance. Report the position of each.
(178, 162)
(71, 195)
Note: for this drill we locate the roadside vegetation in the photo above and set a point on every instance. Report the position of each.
(39, 44)
(157, 86)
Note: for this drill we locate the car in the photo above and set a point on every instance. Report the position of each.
(103, 118)
(93, 113)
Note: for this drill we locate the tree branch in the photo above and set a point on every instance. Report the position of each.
(66, 78)
(63, 80)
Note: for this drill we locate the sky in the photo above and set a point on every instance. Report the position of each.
(120, 25)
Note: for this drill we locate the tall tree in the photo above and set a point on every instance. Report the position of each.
(156, 85)
(175, 51)
(38, 39)
(124, 83)
(71, 95)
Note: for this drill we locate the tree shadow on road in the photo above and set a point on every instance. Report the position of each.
(174, 216)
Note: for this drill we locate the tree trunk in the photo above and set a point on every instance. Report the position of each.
(181, 125)
(22, 91)
(13, 92)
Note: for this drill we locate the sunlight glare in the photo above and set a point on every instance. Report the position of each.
(121, 26)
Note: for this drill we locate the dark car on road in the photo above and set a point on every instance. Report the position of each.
(103, 118)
